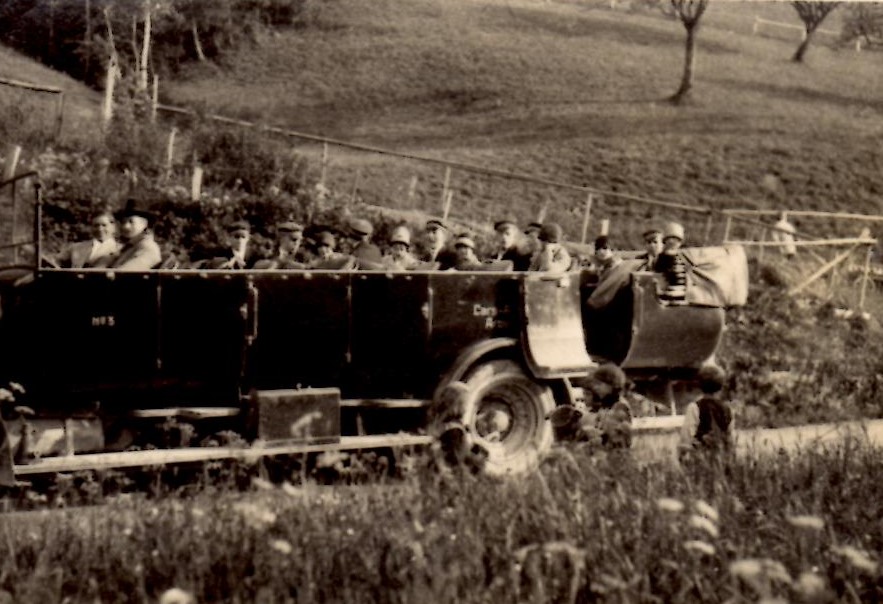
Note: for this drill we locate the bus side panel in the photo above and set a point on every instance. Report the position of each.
(470, 307)
(303, 330)
(93, 337)
(202, 336)
(390, 333)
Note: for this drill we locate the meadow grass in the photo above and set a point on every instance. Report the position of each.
(803, 526)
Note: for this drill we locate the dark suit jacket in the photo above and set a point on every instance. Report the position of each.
(367, 252)
(446, 259)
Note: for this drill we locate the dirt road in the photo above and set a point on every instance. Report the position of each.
(748, 442)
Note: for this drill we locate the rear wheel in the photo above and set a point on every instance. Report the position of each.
(505, 412)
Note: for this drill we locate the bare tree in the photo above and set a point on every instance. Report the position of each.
(812, 13)
(689, 12)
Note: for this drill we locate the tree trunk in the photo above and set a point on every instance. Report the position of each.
(689, 65)
(196, 43)
(145, 48)
(801, 50)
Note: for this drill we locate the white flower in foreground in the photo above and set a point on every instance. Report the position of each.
(282, 546)
(261, 484)
(704, 509)
(704, 524)
(255, 515)
(746, 568)
(176, 595)
(702, 547)
(810, 585)
(858, 558)
(291, 490)
(753, 569)
(806, 522)
(667, 504)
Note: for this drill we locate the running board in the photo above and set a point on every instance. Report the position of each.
(161, 457)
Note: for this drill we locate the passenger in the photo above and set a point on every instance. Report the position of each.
(438, 252)
(238, 253)
(97, 252)
(653, 246)
(400, 257)
(466, 258)
(508, 246)
(326, 256)
(552, 257)
(605, 258)
(672, 265)
(708, 421)
(366, 253)
(139, 251)
(532, 234)
(289, 236)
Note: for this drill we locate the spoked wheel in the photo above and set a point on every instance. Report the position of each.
(505, 411)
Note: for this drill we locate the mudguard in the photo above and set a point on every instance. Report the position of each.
(552, 327)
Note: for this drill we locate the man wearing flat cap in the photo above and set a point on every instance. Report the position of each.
(237, 254)
(552, 258)
(289, 236)
(466, 258)
(139, 251)
(653, 246)
(437, 252)
(509, 247)
(366, 253)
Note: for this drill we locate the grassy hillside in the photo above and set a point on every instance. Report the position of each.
(573, 92)
(30, 117)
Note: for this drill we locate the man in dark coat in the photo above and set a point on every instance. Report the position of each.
(366, 253)
(437, 251)
(509, 247)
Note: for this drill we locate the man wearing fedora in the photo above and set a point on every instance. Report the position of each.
(552, 257)
(139, 251)
(466, 258)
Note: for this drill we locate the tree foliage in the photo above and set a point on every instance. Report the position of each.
(73, 35)
(863, 21)
(812, 13)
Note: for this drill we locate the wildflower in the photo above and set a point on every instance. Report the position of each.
(291, 490)
(806, 522)
(858, 558)
(261, 484)
(667, 504)
(704, 524)
(704, 509)
(197, 512)
(350, 532)
(282, 546)
(702, 547)
(176, 595)
(810, 585)
(255, 515)
(759, 573)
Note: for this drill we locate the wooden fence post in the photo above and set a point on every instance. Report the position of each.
(60, 121)
(449, 198)
(324, 163)
(824, 269)
(170, 152)
(605, 226)
(447, 183)
(412, 191)
(587, 217)
(866, 273)
(13, 154)
(727, 225)
(355, 186)
(709, 223)
(196, 184)
(154, 99)
(110, 84)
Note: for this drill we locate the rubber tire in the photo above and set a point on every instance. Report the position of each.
(530, 436)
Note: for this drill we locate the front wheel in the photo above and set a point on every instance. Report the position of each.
(505, 411)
